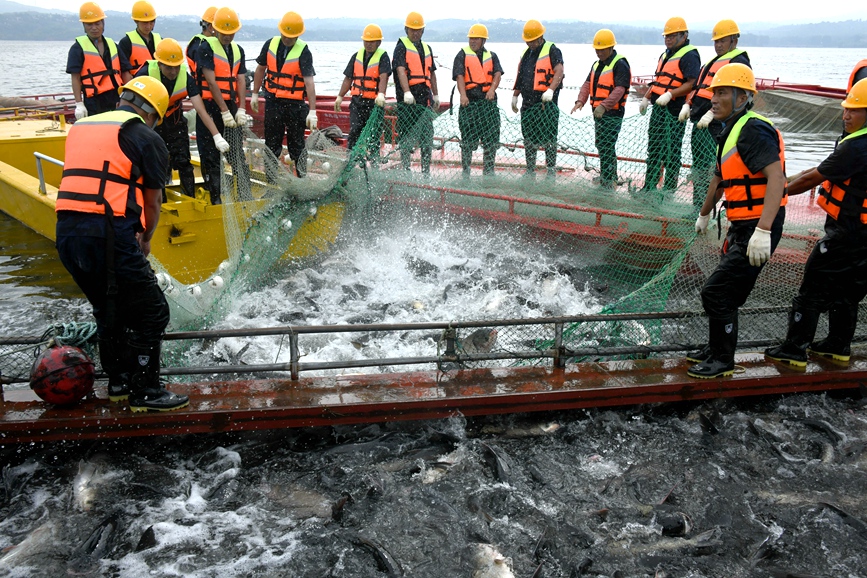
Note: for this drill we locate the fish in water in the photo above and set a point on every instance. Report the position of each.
(35, 542)
(85, 559)
(384, 561)
(479, 341)
(85, 485)
(488, 562)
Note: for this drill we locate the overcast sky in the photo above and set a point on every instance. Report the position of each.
(644, 11)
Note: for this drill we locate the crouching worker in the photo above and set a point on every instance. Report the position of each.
(750, 172)
(108, 207)
(835, 277)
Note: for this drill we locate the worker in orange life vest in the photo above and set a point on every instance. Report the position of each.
(95, 65)
(285, 69)
(477, 72)
(538, 83)
(835, 278)
(170, 68)
(416, 90)
(207, 25)
(697, 109)
(108, 208)
(139, 45)
(366, 76)
(607, 88)
(676, 72)
(222, 82)
(751, 173)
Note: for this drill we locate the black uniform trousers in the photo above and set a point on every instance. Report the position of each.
(210, 156)
(287, 118)
(175, 134)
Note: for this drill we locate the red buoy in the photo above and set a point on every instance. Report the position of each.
(62, 375)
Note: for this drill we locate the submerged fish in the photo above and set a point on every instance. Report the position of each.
(85, 559)
(489, 563)
(33, 544)
(86, 482)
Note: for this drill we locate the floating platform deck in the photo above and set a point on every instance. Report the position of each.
(316, 401)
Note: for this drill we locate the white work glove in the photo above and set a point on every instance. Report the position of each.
(705, 120)
(642, 108)
(312, 121)
(408, 98)
(684, 113)
(548, 95)
(380, 99)
(254, 102)
(228, 119)
(664, 98)
(337, 102)
(221, 143)
(701, 224)
(436, 102)
(759, 247)
(515, 104)
(241, 117)
(80, 110)
(599, 111)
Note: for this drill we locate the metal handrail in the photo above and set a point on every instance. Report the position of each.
(39, 158)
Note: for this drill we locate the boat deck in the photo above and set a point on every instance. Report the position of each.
(315, 401)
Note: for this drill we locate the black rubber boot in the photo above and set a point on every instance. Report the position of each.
(832, 348)
(793, 351)
(700, 355)
(112, 363)
(842, 322)
(722, 343)
(147, 391)
(489, 156)
(466, 161)
(188, 181)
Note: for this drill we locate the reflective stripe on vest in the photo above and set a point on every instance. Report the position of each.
(478, 72)
(709, 71)
(365, 81)
(226, 77)
(601, 88)
(744, 191)
(831, 195)
(417, 72)
(191, 62)
(95, 77)
(97, 177)
(862, 64)
(287, 81)
(179, 91)
(668, 74)
(543, 73)
(140, 52)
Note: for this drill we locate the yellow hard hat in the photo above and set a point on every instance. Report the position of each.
(736, 75)
(478, 31)
(414, 20)
(603, 39)
(90, 12)
(857, 97)
(725, 28)
(154, 94)
(208, 16)
(291, 25)
(533, 29)
(371, 32)
(226, 21)
(674, 24)
(143, 11)
(169, 52)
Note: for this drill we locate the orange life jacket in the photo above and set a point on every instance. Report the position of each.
(478, 72)
(708, 72)
(862, 64)
(140, 52)
(668, 74)
(831, 195)
(365, 81)
(543, 72)
(601, 89)
(226, 77)
(95, 77)
(97, 177)
(287, 81)
(178, 92)
(744, 191)
(417, 71)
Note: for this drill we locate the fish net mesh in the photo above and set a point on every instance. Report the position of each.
(631, 228)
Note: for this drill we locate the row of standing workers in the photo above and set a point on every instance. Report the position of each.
(116, 166)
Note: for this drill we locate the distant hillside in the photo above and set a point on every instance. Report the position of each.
(6, 6)
(54, 25)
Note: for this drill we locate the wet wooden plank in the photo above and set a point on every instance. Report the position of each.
(313, 401)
